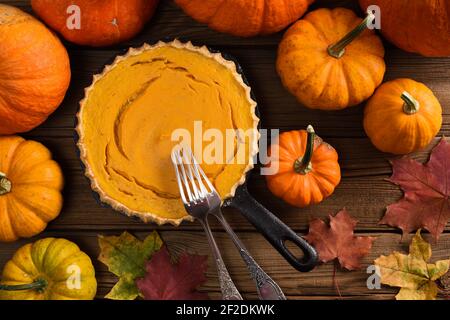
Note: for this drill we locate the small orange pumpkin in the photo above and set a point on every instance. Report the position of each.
(245, 18)
(330, 61)
(30, 188)
(308, 168)
(34, 71)
(101, 22)
(403, 116)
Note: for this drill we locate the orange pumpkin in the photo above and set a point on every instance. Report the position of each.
(245, 18)
(30, 188)
(34, 71)
(308, 168)
(330, 61)
(95, 23)
(403, 116)
(420, 26)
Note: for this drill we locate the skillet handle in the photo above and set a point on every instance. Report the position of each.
(274, 230)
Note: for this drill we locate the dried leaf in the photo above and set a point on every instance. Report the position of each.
(126, 256)
(167, 281)
(426, 203)
(412, 273)
(338, 240)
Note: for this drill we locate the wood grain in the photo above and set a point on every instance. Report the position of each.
(319, 282)
(363, 191)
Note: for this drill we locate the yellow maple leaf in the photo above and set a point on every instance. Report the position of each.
(412, 273)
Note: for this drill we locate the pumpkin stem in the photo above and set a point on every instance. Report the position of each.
(411, 105)
(5, 184)
(37, 285)
(303, 164)
(337, 50)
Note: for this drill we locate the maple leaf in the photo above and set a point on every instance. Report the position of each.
(126, 256)
(167, 281)
(338, 240)
(412, 273)
(426, 187)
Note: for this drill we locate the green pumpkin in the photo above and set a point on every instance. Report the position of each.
(49, 269)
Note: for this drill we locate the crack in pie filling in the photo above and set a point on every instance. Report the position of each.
(128, 116)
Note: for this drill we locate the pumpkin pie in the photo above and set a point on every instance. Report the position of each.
(129, 115)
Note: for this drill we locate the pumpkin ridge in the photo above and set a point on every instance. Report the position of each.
(333, 69)
(39, 213)
(305, 86)
(263, 14)
(317, 26)
(25, 251)
(53, 290)
(11, 230)
(346, 75)
(9, 217)
(29, 113)
(11, 153)
(301, 84)
(29, 214)
(357, 51)
(80, 254)
(44, 256)
(292, 183)
(325, 190)
(42, 149)
(21, 268)
(41, 183)
(219, 7)
(364, 73)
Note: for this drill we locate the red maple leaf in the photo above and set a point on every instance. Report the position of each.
(167, 281)
(338, 240)
(426, 187)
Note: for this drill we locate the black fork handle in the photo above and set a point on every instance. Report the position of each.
(274, 230)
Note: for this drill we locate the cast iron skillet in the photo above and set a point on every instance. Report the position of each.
(272, 228)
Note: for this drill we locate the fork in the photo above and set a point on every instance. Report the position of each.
(194, 196)
(267, 288)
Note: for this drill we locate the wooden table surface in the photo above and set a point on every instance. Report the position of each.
(363, 190)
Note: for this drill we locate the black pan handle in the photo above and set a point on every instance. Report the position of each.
(273, 229)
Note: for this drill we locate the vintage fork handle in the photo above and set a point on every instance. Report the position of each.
(227, 286)
(267, 288)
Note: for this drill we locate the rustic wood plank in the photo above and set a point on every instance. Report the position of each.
(363, 190)
(319, 282)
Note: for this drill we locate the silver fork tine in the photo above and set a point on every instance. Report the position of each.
(187, 163)
(199, 169)
(196, 169)
(177, 173)
(179, 165)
